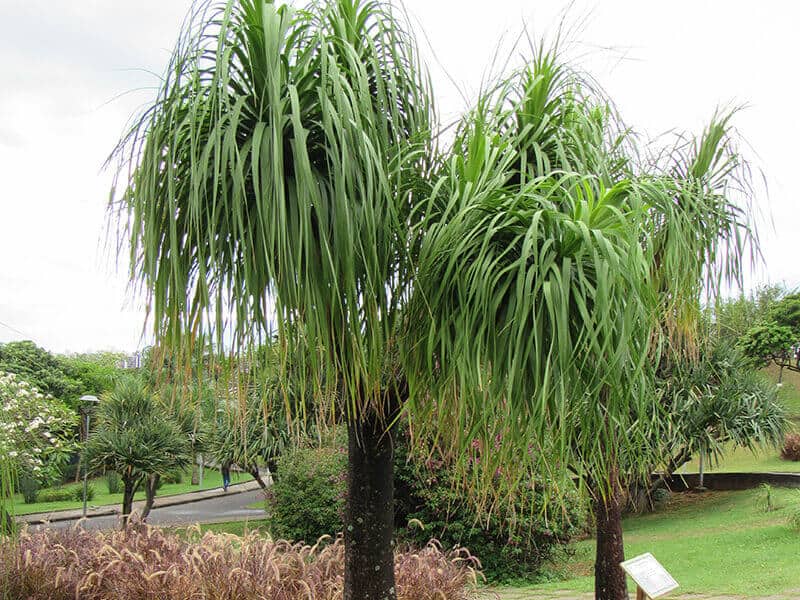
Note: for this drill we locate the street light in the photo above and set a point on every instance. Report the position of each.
(89, 402)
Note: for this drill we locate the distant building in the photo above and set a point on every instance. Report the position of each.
(132, 361)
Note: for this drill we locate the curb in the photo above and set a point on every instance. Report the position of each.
(174, 500)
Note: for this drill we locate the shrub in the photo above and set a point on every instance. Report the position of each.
(661, 497)
(77, 493)
(514, 543)
(307, 498)
(791, 447)
(59, 494)
(113, 482)
(75, 563)
(173, 477)
(29, 488)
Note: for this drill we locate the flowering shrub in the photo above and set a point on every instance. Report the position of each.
(144, 563)
(36, 432)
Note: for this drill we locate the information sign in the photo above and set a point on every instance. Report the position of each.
(649, 575)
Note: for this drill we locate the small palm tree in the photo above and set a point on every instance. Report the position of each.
(135, 438)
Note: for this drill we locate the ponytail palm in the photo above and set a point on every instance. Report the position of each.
(274, 172)
(556, 275)
(532, 284)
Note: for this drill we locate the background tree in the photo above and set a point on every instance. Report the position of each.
(732, 317)
(40, 368)
(768, 342)
(95, 372)
(711, 402)
(786, 312)
(135, 438)
(248, 436)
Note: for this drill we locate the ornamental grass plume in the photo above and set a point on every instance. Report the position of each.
(143, 562)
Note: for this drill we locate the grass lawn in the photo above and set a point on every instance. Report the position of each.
(740, 460)
(239, 528)
(790, 391)
(211, 479)
(717, 543)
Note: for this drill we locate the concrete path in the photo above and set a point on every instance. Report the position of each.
(206, 506)
(218, 509)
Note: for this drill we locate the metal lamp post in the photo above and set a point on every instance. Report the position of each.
(89, 402)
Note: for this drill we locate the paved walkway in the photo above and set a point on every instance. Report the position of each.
(210, 503)
(218, 509)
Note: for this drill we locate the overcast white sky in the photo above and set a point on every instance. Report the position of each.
(73, 71)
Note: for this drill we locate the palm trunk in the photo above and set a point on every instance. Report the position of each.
(369, 513)
(195, 471)
(610, 582)
(150, 489)
(129, 485)
(253, 470)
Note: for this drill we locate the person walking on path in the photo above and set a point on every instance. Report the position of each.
(226, 475)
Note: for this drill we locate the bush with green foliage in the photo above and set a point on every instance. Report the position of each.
(57, 494)
(306, 501)
(113, 482)
(29, 487)
(791, 447)
(514, 541)
(172, 477)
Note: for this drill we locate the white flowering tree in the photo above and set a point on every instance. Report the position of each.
(37, 432)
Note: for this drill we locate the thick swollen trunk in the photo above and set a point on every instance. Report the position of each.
(369, 514)
(609, 578)
(150, 489)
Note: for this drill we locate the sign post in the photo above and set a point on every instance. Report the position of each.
(652, 579)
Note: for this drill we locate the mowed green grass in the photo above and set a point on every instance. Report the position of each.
(211, 479)
(239, 528)
(740, 460)
(790, 390)
(717, 543)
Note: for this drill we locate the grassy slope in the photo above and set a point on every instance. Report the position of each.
(211, 479)
(715, 543)
(790, 391)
